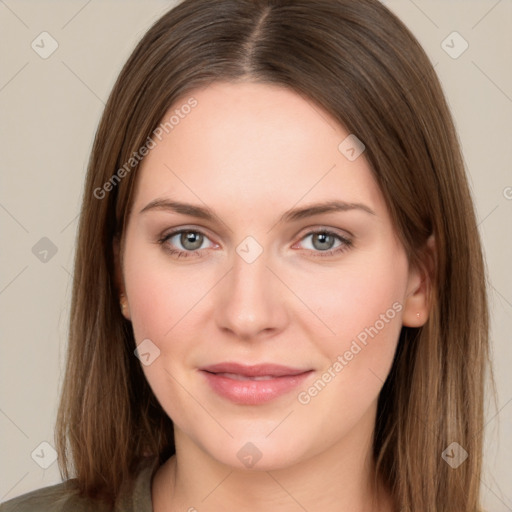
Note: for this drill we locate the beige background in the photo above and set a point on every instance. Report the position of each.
(50, 109)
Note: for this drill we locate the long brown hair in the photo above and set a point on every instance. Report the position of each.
(358, 61)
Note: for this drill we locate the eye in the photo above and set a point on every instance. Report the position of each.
(189, 242)
(326, 243)
(185, 243)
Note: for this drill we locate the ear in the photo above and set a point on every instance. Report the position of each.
(419, 286)
(119, 280)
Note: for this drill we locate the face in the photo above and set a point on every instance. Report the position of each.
(263, 277)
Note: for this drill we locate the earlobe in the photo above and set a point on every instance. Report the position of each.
(118, 277)
(417, 301)
(124, 306)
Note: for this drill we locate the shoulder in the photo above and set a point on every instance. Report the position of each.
(62, 497)
(135, 496)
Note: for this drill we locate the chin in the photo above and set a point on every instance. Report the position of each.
(257, 455)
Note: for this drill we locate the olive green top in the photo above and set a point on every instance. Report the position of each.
(64, 497)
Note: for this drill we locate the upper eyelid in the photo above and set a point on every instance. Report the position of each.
(177, 231)
(343, 233)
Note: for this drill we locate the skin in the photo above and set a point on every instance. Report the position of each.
(250, 152)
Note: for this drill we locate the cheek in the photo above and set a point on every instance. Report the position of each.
(364, 311)
(161, 299)
(360, 309)
(159, 295)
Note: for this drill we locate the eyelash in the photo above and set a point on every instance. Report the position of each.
(346, 244)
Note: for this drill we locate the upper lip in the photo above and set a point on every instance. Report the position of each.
(258, 370)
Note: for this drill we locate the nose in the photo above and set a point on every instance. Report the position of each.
(251, 301)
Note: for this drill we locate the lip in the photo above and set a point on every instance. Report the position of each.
(257, 370)
(253, 385)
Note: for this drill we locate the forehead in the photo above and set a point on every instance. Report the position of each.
(245, 143)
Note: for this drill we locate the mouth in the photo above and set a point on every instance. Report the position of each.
(236, 376)
(253, 385)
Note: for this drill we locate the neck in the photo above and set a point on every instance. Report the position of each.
(337, 480)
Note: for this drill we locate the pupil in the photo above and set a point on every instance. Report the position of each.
(191, 240)
(323, 238)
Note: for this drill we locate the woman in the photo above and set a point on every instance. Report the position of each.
(279, 297)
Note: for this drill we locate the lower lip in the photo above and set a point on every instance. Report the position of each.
(253, 392)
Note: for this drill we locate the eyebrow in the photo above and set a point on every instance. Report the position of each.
(289, 216)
